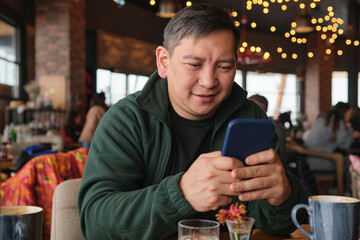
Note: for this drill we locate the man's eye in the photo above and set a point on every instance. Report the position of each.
(225, 67)
(194, 64)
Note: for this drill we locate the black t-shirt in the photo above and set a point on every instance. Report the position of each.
(190, 139)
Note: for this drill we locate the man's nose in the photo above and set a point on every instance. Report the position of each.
(208, 78)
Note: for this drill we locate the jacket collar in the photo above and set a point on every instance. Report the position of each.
(154, 98)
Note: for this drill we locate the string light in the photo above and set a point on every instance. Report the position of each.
(120, 2)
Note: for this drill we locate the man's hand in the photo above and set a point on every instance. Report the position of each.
(264, 178)
(206, 184)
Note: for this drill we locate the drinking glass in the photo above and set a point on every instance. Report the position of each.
(240, 230)
(198, 229)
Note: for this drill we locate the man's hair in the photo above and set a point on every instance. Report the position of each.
(198, 20)
(261, 101)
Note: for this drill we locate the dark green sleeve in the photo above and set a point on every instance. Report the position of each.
(116, 201)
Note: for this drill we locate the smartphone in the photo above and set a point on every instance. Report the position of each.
(247, 136)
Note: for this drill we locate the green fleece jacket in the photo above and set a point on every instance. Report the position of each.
(123, 194)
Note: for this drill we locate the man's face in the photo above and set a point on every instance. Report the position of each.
(200, 73)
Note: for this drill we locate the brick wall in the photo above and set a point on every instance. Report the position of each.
(60, 45)
(318, 76)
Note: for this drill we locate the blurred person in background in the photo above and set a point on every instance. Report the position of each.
(93, 116)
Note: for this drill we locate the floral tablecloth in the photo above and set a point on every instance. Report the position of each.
(34, 183)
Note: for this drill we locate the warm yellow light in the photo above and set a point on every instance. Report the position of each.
(265, 10)
(333, 20)
(339, 52)
(327, 18)
(279, 1)
(244, 44)
(348, 42)
(334, 36)
(302, 5)
(318, 28)
(253, 24)
(234, 14)
(266, 4)
(320, 20)
(272, 1)
(272, 28)
(324, 29)
(279, 49)
(293, 24)
(340, 31)
(331, 40)
(266, 55)
(237, 23)
(292, 32)
(331, 14)
(152, 2)
(287, 35)
(252, 49)
(283, 55)
(293, 39)
(242, 49)
(260, 2)
(283, 7)
(313, 5)
(356, 43)
(330, 8)
(188, 3)
(323, 36)
(249, 2)
(329, 27)
(310, 54)
(299, 40)
(258, 49)
(304, 40)
(249, 7)
(255, 1)
(313, 21)
(335, 25)
(294, 56)
(328, 51)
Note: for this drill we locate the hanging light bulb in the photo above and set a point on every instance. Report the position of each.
(167, 8)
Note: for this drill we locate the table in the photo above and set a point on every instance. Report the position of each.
(7, 163)
(258, 234)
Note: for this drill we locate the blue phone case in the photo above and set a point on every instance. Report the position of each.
(247, 136)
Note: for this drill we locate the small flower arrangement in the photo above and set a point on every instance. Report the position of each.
(238, 224)
(235, 213)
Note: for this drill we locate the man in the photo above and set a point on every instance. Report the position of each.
(155, 159)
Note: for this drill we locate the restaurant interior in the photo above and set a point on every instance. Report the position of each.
(302, 55)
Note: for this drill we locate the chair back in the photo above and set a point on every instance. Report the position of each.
(65, 221)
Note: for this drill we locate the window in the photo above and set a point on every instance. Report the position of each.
(268, 85)
(339, 87)
(118, 85)
(9, 60)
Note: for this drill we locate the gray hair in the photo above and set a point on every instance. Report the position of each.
(198, 20)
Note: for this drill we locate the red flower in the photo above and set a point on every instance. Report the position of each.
(235, 213)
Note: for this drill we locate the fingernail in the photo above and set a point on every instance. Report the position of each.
(249, 160)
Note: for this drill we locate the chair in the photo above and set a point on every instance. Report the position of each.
(65, 221)
(338, 158)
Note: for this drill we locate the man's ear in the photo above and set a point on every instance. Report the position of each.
(162, 60)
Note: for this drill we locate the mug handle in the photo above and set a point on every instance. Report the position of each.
(19, 230)
(293, 216)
